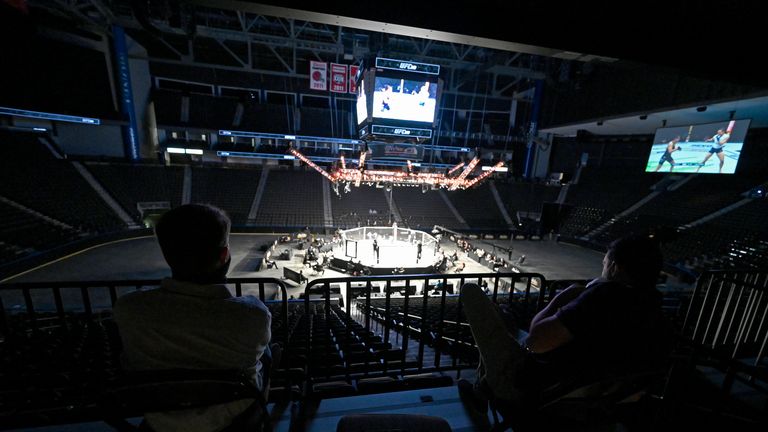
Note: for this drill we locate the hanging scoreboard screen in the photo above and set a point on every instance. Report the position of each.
(407, 66)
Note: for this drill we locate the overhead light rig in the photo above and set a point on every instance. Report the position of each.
(359, 174)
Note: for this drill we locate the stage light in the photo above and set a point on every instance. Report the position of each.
(600, 123)
(644, 117)
(701, 108)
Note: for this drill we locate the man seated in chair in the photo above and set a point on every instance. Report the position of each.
(192, 321)
(611, 326)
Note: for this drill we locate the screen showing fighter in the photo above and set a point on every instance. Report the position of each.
(401, 99)
(712, 148)
(362, 102)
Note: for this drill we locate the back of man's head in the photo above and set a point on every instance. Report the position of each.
(193, 238)
(639, 257)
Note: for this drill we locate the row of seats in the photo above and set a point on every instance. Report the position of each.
(360, 206)
(423, 210)
(132, 184)
(292, 199)
(23, 233)
(51, 186)
(230, 189)
(581, 220)
(525, 197)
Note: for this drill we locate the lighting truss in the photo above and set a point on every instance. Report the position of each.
(359, 174)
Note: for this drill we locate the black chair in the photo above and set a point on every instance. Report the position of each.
(136, 393)
(574, 406)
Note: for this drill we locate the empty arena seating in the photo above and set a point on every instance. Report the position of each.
(702, 195)
(132, 184)
(423, 210)
(698, 197)
(32, 177)
(478, 207)
(212, 111)
(316, 122)
(270, 118)
(292, 199)
(737, 239)
(353, 208)
(609, 189)
(581, 220)
(230, 189)
(525, 196)
(23, 234)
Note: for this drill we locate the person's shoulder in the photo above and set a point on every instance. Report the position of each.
(134, 297)
(248, 304)
(605, 288)
(133, 301)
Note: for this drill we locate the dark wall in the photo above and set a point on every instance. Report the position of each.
(44, 75)
(594, 91)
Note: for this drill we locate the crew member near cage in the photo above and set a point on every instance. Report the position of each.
(418, 251)
(192, 321)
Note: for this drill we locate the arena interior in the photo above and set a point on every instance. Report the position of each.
(373, 157)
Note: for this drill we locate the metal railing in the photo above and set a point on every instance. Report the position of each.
(90, 297)
(518, 287)
(727, 319)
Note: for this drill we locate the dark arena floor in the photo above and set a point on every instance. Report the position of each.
(141, 258)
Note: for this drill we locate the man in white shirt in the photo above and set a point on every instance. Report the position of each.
(718, 141)
(192, 321)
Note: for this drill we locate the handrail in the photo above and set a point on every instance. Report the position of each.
(27, 288)
(409, 283)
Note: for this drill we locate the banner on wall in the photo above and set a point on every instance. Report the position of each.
(338, 78)
(352, 74)
(318, 73)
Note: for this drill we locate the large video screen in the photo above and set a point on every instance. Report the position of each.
(362, 102)
(402, 99)
(712, 148)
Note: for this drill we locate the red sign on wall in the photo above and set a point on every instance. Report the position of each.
(338, 78)
(352, 74)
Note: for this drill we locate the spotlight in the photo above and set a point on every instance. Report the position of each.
(701, 108)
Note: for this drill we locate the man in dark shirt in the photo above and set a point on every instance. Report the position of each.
(611, 325)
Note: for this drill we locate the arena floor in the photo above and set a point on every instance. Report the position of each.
(140, 258)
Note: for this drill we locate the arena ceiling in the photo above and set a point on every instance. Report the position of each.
(713, 39)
